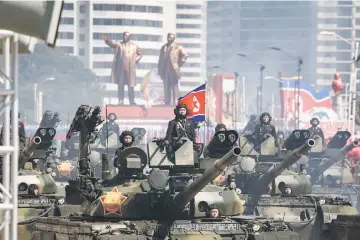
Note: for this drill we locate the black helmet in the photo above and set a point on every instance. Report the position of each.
(313, 120)
(126, 133)
(112, 114)
(178, 107)
(263, 115)
(220, 126)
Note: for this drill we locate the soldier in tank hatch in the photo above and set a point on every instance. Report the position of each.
(315, 130)
(111, 125)
(264, 128)
(181, 125)
(126, 139)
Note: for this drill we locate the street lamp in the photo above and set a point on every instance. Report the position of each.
(352, 88)
(297, 85)
(285, 110)
(38, 99)
(260, 90)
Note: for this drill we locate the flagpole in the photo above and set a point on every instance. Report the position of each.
(206, 126)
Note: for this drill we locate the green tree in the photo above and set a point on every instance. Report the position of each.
(63, 79)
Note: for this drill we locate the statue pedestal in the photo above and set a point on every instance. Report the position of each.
(162, 112)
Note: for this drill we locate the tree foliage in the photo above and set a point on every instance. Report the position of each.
(72, 83)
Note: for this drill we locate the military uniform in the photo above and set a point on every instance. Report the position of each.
(314, 130)
(264, 129)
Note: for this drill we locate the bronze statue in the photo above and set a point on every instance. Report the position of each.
(172, 57)
(127, 55)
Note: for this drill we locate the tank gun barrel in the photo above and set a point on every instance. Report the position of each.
(28, 151)
(289, 160)
(316, 173)
(185, 196)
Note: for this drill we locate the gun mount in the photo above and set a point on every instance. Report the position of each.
(50, 120)
(36, 148)
(85, 122)
(326, 164)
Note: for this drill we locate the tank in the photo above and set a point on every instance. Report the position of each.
(171, 203)
(345, 227)
(37, 190)
(264, 178)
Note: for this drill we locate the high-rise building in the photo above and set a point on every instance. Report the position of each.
(334, 52)
(85, 23)
(250, 28)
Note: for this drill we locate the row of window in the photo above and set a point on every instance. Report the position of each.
(109, 65)
(340, 67)
(67, 21)
(340, 44)
(134, 37)
(66, 35)
(127, 22)
(188, 35)
(127, 8)
(68, 6)
(340, 56)
(183, 25)
(188, 6)
(67, 50)
(145, 51)
(188, 16)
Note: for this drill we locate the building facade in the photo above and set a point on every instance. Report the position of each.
(336, 22)
(85, 23)
(250, 28)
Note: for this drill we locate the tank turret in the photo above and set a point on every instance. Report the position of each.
(28, 151)
(320, 169)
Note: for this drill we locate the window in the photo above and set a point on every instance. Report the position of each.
(67, 21)
(188, 35)
(82, 23)
(68, 6)
(194, 55)
(342, 56)
(192, 65)
(341, 45)
(189, 84)
(357, 21)
(343, 67)
(108, 50)
(186, 6)
(127, 22)
(102, 64)
(81, 52)
(345, 3)
(357, 34)
(82, 37)
(127, 8)
(344, 11)
(67, 50)
(188, 16)
(134, 37)
(183, 25)
(66, 35)
(191, 45)
(326, 65)
(147, 66)
(344, 22)
(191, 74)
(82, 9)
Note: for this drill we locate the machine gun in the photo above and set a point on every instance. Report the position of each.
(38, 146)
(50, 120)
(85, 122)
(326, 164)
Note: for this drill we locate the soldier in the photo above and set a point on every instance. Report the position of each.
(111, 125)
(315, 130)
(126, 139)
(212, 211)
(127, 55)
(264, 128)
(180, 125)
(22, 137)
(172, 57)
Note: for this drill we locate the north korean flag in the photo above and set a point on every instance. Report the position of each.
(195, 101)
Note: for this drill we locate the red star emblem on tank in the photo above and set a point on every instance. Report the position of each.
(112, 202)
